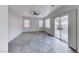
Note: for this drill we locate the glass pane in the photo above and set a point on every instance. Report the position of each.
(64, 32)
(57, 32)
(27, 23)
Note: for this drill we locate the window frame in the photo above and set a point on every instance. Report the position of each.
(28, 26)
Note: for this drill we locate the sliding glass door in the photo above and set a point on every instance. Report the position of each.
(64, 32)
(61, 28)
(57, 32)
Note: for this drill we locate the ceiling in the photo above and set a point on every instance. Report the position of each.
(27, 10)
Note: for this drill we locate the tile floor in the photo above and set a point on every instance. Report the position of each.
(37, 42)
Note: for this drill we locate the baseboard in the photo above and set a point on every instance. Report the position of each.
(32, 31)
(48, 33)
(14, 37)
(73, 49)
(3, 51)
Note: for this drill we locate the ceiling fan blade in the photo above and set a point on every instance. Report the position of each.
(35, 13)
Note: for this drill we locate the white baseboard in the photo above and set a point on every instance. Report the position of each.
(3, 51)
(14, 36)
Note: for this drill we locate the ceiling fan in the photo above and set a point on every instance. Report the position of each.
(35, 13)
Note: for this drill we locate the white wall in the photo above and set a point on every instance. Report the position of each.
(3, 28)
(61, 11)
(15, 24)
(34, 25)
(51, 29)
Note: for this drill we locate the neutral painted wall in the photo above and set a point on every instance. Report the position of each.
(61, 11)
(51, 29)
(34, 24)
(3, 28)
(15, 24)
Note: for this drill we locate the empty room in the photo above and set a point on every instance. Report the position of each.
(39, 28)
(43, 29)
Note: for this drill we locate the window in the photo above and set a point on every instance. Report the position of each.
(40, 23)
(27, 23)
(48, 23)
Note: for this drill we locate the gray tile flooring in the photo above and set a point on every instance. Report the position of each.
(37, 42)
